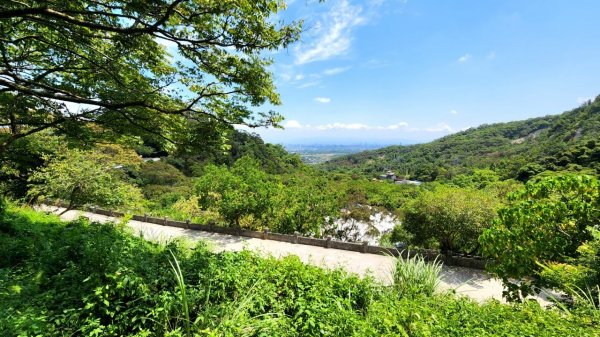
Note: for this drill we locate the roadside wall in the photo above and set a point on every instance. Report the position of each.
(474, 262)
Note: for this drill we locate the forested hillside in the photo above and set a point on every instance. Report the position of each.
(521, 149)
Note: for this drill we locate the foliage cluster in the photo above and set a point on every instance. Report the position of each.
(95, 279)
(547, 236)
(450, 217)
(87, 177)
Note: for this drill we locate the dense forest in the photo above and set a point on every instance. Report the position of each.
(519, 150)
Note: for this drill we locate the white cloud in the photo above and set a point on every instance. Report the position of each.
(397, 126)
(376, 64)
(454, 112)
(292, 124)
(464, 58)
(401, 126)
(581, 100)
(346, 126)
(323, 99)
(335, 71)
(441, 127)
(309, 84)
(315, 79)
(334, 34)
(351, 126)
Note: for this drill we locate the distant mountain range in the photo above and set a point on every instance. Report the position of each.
(569, 141)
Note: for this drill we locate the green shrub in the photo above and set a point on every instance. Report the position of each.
(454, 217)
(551, 222)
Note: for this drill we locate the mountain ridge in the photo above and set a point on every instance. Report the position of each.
(517, 149)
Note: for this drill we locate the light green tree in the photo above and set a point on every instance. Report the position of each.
(83, 178)
(242, 191)
(304, 202)
(452, 217)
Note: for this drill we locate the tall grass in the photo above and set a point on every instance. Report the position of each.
(586, 297)
(413, 276)
(182, 292)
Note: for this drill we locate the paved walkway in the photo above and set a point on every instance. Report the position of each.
(469, 282)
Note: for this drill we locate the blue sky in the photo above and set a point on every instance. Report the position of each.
(404, 71)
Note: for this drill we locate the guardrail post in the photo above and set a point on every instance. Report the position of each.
(187, 223)
(328, 242)
(110, 212)
(265, 233)
(165, 221)
(365, 247)
(296, 234)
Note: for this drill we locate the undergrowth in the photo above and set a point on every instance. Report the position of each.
(90, 279)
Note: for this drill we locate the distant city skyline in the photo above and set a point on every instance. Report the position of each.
(406, 71)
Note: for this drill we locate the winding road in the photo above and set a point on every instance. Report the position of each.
(475, 284)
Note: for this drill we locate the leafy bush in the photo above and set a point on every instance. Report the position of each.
(548, 223)
(160, 173)
(243, 190)
(398, 234)
(454, 217)
(83, 178)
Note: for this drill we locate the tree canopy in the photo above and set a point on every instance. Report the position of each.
(548, 222)
(87, 177)
(453, 217)
(95, 68)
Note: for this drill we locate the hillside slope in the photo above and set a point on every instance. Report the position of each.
(517, 149)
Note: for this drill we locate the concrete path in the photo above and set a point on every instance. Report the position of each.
(473, 283)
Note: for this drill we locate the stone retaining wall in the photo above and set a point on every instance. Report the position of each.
(474, 262)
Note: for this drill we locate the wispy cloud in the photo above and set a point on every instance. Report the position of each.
(360, 126)
(334, 33)
(401, 126)
(308, 84)
(335, 71)
(323, 99)
(464, 58)
(315, 79)
(376, 64)
(454, 112)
